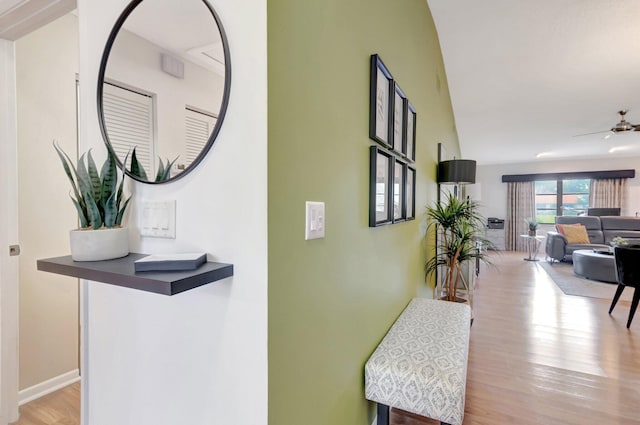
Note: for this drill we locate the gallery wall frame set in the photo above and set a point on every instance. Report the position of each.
(392, 124)
(392, 117)
(392, 188)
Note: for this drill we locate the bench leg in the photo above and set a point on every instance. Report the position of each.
(383, 414)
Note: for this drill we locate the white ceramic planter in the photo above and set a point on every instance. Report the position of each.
(98, 245)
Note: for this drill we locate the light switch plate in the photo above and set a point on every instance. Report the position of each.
(158, 219)
(314, 220)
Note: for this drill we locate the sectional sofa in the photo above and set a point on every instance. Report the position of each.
(601, 231)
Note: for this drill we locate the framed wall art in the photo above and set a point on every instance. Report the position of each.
(399, 177)
(392, 124)
(399, 112)
(409, 148)
(380, 187)
(410, 193)
(380, 103)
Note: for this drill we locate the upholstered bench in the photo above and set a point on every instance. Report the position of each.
(421, 364)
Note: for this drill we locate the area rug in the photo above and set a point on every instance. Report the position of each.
(564, 278)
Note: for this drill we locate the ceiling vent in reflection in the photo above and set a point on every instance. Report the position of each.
(172, 66)
(210, 56)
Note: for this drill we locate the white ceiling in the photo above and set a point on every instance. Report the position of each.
(185, 28)
(162, 22)
(525, 76)
(19, 17)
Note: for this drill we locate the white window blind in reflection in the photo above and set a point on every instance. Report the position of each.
(129, 120)
(198, 127)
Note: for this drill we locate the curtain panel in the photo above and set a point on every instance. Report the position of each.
(608, 193)
(521, 204)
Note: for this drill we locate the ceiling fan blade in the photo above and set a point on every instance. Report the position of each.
(595, 132)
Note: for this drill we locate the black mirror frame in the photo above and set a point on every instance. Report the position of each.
(223, 107)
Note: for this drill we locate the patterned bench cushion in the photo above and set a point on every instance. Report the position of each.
(421, 364)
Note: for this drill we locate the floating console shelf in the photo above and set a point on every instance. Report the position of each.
(121, 272)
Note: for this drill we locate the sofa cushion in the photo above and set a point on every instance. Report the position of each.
(593, 225)
(620, 223)
(625, 227)
(575, 233)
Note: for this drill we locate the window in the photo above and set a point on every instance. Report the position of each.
(561, 197)
(198, 126)
(129, 115)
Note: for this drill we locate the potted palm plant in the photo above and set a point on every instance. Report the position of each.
(101, 204)
(460, 230)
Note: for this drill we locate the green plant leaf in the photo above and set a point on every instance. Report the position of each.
(121, 212)
(164, 173)
(67, 164)
(160, 174)
(84, 183)
(136, 168)
(94, 178)
(110, 211)
(82, 214)
(95, 219)
(109, 176)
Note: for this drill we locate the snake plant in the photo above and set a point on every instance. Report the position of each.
(99, 198)
(163, 173)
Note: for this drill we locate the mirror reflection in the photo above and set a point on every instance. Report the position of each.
(163, 87)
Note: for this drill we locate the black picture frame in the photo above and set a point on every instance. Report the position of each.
(409, 146)
(410, 193)
(398, 122)
(380, 103)
(380, 186)
(399, 190)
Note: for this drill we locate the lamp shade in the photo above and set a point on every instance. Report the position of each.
(457, 171)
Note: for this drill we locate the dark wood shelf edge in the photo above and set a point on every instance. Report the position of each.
(120, 272)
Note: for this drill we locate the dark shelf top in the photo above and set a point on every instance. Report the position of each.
(121, 272)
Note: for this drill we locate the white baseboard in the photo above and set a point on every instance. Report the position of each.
(48, 386)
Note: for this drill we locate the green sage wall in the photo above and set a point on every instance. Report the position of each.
(331, 300)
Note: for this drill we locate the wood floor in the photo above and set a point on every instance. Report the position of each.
(536, 357)
(539, 357)
(59, 408)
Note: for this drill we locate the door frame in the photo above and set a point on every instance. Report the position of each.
(8, 236)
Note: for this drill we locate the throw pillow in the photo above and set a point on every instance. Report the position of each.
(560, 227)
(575, 233)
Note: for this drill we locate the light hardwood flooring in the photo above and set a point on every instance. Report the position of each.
(536, 357)
(540, 357)
(58, 408)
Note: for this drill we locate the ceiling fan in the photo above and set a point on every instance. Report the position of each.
(621, 126)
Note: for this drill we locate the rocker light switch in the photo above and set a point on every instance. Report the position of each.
(314, 227)
(158, 219)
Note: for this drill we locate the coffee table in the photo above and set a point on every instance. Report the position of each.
(594, 265)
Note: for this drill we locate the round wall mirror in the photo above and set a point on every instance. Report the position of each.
(163, 87)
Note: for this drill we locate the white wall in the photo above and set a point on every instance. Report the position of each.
(8, 236)
(46, 66)
(493, 193)
(201, 356)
